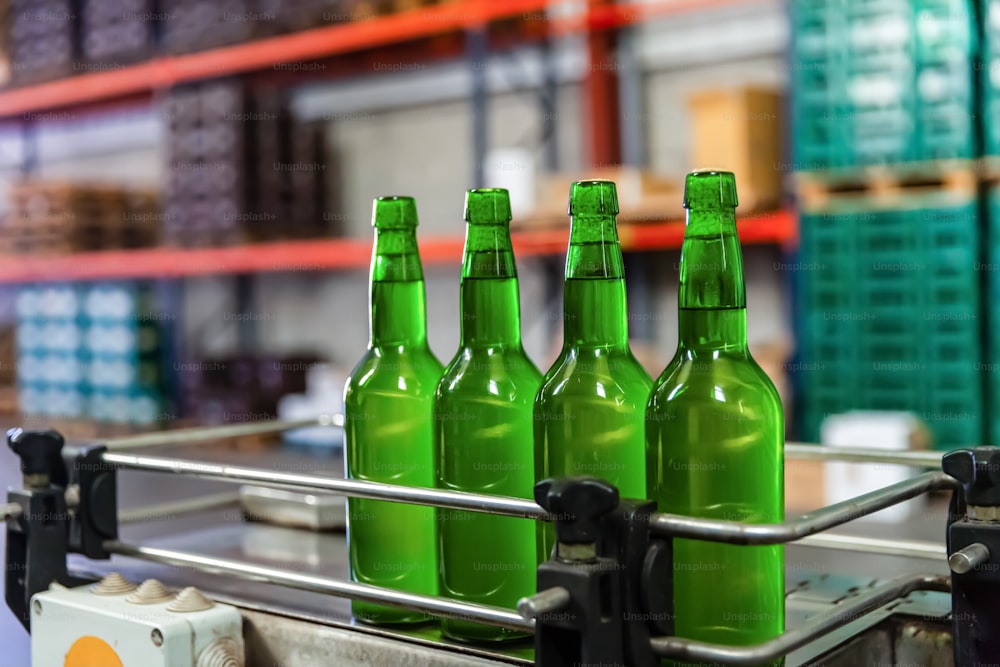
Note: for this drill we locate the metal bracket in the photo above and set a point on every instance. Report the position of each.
(68, 504)
(37, 536)
(607, 586)
(974, 554)
(94, 518)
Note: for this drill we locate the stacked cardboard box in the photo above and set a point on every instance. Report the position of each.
(57, 217)
(242, 168)
(240, 388)
(117, 31)
(42, 39)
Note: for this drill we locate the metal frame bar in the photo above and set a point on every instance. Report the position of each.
(841, 615)
(667, 525)
(190, 436)
(496, 616)
(805, 452)
(732, 532)
(793, 450)
(874, 545)
(180, 507)
(348, 487)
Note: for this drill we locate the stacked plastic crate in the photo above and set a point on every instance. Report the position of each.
(121, 342)
(243, 167)
(990, 268)
(116, 31)
(208, 140)
(49, 366)
(882, 81)
(91, 351)
(884, 136)
(43, 39)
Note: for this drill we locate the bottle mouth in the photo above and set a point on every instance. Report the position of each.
(487, 206)
(710, 189)
(394, 212)
(597, 197)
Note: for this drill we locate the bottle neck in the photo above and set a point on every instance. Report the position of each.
(490, 304)
(594, 302)
(712, 300)
(398, 315)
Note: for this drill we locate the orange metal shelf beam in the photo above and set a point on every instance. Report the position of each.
(342, 254)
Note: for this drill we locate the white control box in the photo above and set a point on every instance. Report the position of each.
(116, 624)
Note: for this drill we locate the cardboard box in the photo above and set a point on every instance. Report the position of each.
(810, 485)
(805, 485)
(642, 197)
(740, 130)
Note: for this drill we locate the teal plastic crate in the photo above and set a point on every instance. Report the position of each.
(904, 317)
(80, 345)
(990, 272)
(884, 81)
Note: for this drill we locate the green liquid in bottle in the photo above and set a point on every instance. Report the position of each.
(589, 414)
(388, 405)
(483, 428)
(715, 436)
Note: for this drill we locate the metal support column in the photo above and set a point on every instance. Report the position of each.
(477, 47)
(600, 92)
(245, 305)
(29, 148)
(632, 126)
(548, 97)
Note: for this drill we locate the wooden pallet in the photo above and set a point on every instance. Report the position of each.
(815, 188)
(359, 10)
(59, 217)
(989, 169)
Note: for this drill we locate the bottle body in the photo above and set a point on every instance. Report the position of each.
(388, 429)
(483, 429)
(389, 438)
(590, 411)
(715, 435)
(483, 418)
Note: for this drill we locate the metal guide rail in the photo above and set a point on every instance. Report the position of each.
(68, 504)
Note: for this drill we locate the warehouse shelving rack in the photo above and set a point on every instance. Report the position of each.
(409, 31)
(340, 254)
(469, 30)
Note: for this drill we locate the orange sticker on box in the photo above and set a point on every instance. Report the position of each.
(89, 651)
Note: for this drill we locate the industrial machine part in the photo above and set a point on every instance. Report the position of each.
(974, 553)
(618, 551)
(115, 623)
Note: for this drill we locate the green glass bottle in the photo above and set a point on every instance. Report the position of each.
(388, 424)
(483, 427)
(715, 434)
(589, 414)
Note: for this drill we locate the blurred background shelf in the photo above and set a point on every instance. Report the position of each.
(227, 152)
(334, 254)
(281, 53)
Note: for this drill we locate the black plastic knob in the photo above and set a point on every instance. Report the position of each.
(40, 453)
(578, 504)
(978, 470)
